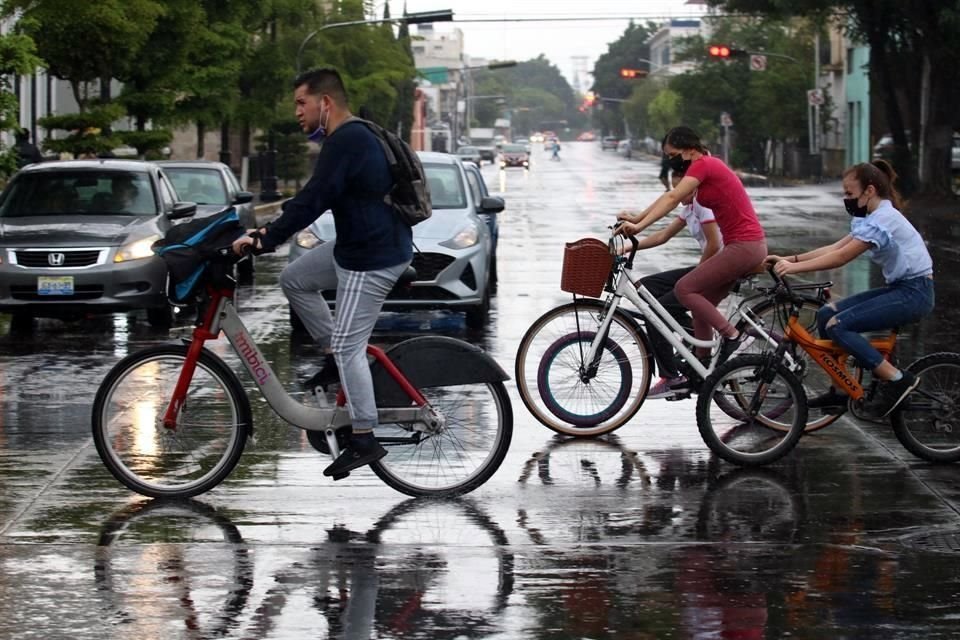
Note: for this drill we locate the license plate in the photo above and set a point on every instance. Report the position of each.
(58, 286)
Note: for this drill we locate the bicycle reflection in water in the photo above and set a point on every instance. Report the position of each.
(436, 568)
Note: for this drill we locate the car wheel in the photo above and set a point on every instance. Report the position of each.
(160, 317)
(493, 273)
(245, 269)
(296, 324)
(478, 315)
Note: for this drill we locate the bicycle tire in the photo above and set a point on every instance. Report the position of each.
(814, 379)
(750, 442)
(465, 453)
(579, 343)
(158, 462)
(926, 422)
(583, 317)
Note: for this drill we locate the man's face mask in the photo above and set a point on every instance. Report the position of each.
(677, 163)
(321, 132)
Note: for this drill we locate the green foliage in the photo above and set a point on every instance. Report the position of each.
(146, 142)
(664, 111)
(86, 41)
(534, 91)
(89, 131)
(628, 51)
(17, 57)
(764, 105)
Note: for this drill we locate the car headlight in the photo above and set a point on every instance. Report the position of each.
(136, 250)
(307, 239)
(466, 237)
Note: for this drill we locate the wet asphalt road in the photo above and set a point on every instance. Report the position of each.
(642, 534)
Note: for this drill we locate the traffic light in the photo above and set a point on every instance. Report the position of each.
(724, 51)
(633, 73)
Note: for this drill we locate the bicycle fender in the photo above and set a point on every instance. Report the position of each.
(433, 361)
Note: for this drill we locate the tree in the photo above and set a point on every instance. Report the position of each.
(664, 110)
(112, 32)
(629, 51)
(17, 57)
(912, 66)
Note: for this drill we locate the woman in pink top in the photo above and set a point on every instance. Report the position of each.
(745, 246)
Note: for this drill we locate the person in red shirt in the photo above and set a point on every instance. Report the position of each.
(745, 245)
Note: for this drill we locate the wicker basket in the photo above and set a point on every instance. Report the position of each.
(586, 266)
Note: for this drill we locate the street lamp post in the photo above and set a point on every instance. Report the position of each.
(443, 15)
(464, 71)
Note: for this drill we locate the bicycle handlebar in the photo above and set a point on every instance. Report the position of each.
(633, 240)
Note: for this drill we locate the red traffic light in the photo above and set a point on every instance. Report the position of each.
(719, 51)
(633, 73)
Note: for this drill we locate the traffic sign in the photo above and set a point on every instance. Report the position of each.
(726, 120)
(815, 97)
(758, 62)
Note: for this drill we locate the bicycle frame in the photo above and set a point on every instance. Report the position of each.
(661, 321)
(831, 357)
(221, 315)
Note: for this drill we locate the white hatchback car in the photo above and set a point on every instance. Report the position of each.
(453, 249)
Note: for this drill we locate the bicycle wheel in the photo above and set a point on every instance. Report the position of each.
(158, 462)
(467, 450)
(549, 364)
(927, 423)
(765, 386)
(815, 380)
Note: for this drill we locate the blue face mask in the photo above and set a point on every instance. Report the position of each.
(320, 134)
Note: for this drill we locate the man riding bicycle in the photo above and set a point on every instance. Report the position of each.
(374, 246)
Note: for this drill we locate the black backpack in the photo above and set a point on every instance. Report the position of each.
(188, 247)
(410, 194)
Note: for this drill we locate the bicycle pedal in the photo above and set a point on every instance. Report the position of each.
(683, 395)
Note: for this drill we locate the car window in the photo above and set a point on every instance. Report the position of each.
(168, 194)
(446, 186)
(477, 187)
(68, 192)
(203, 186)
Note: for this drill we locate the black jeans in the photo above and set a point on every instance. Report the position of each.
(661, 286)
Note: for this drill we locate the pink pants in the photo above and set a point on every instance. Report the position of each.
(702, 289)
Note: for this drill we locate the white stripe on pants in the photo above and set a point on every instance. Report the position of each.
(360, 296)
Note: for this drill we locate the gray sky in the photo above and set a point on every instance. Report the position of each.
(558, 41)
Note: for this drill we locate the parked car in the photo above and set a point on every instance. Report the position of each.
(454, 247)
(75, 239)
(469, 153)
(514, 155)
(609, 142)
(479, 191)
(213, 186)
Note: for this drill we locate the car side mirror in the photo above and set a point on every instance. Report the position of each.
(182, 210)
(243, 197)
(491, 204)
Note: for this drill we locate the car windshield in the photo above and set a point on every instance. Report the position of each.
(514, 148)
(466, 150)
(203, 186)
(446, 186)
(78, 192)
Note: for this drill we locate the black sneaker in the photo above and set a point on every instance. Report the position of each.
(728, 346)
(890, 394)
(828, 401)
(327, 375)
(362, 450)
